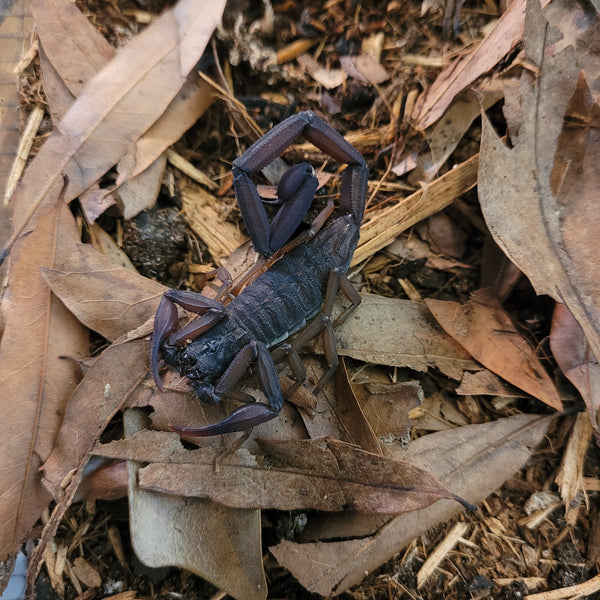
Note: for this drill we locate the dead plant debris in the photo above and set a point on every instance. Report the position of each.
(469, 372)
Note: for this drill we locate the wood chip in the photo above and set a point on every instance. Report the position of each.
(574, 591)
(437, 556)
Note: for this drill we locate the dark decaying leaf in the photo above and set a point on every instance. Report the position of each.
(323, 474)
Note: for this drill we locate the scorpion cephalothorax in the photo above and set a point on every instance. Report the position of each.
(227, 340)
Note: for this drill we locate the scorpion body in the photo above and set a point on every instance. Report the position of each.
(226, 340)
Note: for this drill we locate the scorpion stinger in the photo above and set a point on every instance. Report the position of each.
(297, 187)
(217, 349)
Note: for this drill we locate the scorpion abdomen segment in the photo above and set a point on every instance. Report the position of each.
(279, 302)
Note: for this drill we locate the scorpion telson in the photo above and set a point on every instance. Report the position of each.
(227, 340)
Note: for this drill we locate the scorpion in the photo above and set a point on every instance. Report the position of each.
(218, 347)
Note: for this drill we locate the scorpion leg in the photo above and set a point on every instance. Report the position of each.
(249, 415)
(322, 325)
(290, 353)
(166, 322)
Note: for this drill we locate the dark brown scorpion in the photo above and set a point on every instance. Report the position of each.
(227, 340)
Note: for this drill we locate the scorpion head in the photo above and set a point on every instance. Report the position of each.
(203, 359)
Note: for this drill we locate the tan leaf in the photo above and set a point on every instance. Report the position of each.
(485, 330)
(371, 334)
(36, 380)
(458, 457)
(115, 108)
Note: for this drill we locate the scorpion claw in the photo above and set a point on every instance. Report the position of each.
(241, 419)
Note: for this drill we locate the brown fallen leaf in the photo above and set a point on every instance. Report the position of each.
(168, 530)
(371, 334)
(572, 352)
(351, 415)
(115, 108)
(74, 63)
(386, 406)
(473, 461)
(444, 136)
(38, 373)
(75, 49)
(106, 297)
(322, 474)
(539, 198)
(485, 330)
(101, 393)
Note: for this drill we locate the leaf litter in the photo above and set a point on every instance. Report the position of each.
(542, 219)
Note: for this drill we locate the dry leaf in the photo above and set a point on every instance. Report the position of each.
(170, 530)
(106, 297)
(115, 108)
(101, 393)
(351, 415)
(371, 334)
(386, 406)
(328, 78)
(364, 68)
(483, 328)
(472, 461)
(539, 198)
(323, 474)
(575, 359)
(38, 373)
(442, 139)
(76, 62)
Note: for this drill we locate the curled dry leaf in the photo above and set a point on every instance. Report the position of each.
(323, 474)
(38, 372)
(485, 330)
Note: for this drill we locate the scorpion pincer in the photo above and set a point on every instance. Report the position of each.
(218, 347)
